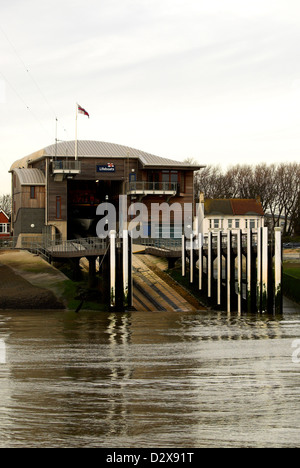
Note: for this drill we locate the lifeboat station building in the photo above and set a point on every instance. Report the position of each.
(56, 193)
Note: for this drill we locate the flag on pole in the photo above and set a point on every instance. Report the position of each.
(81, 110)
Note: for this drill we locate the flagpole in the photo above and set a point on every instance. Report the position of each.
(76, 141)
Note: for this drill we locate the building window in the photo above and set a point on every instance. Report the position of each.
(230, 223)
(237, 224)
(32, 192)
(58, 208)
(251, 224)
(3, 228)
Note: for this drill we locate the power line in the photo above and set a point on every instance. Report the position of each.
(29, 74)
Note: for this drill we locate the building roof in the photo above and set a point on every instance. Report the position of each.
(3, 212)
(233, 207)
(100, 149)
(30, 176)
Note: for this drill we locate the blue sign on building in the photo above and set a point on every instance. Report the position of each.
(109, 167)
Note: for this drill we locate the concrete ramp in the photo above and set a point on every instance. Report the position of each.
(154, 290)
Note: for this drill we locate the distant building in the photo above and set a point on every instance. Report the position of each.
(232, 214)
(4, 225)
(55, 193)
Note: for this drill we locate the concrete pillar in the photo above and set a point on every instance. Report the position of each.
(183, 249)
(200, 246)
(125, 268)
(209, 266)
(219, 260)
(191, 258)
(239, 270)
(112, 236)
(265, 268)
(278, 272)
(259, 270)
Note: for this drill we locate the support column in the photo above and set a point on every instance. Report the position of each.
(209, 266)
(125, 268)
(200, 246)
(191, 258)
(219, 260)
(112, 268)
(265, 269)
(229, 279)
(259, 270)
(249, 270)
(183, 247)
(278, 272)
(239, 270)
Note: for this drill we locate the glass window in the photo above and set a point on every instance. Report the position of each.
(3, 228)
(32, 192)
(230, 223)
(237, 224)
(58, 207)
(216, 223)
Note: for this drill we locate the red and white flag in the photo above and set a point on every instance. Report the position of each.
(81, 110)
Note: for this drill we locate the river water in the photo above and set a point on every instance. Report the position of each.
(148, 380)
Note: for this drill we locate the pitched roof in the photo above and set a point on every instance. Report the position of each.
(233, 207)
(3, 212)
(246, 207)
(96, 149)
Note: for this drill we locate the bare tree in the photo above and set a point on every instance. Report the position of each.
(277, 186)
(5, 204)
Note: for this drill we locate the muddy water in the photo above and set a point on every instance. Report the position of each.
(149, 380)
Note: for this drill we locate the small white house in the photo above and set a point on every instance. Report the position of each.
(232, 214)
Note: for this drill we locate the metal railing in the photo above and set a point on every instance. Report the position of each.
(166, 244)
(152, 187)
(66, 166)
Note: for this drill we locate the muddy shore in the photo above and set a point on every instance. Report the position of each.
(23, 288)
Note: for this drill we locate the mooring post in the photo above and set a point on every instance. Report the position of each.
(229, 279)
(265, 268)
(278, 272)
(259, 270)
(239, 270)
(219, 254)
(209, 265)
(200, 265)
(183, 253)
(191, 258)
(130, 270)
(125, 268)
(249, 270)
(113, 235)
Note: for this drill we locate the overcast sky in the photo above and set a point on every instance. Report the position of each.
(215, 80)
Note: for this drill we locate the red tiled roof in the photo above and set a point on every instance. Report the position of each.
(246, 207)
(233, 206)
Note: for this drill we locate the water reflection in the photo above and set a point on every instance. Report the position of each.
(148, 380)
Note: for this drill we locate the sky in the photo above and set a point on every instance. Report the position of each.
(213, 80)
